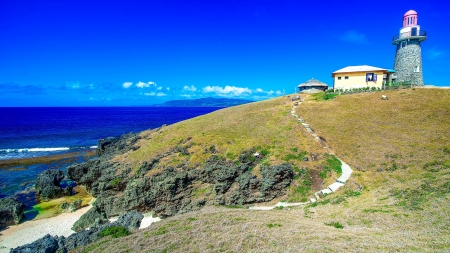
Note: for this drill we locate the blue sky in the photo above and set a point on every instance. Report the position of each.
(120, 53)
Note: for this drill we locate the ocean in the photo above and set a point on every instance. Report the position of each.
(47, 131)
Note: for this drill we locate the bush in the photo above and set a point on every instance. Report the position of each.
(115, 182)
(334, 224)
(114, 232)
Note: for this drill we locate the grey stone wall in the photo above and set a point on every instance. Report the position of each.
(406, 58)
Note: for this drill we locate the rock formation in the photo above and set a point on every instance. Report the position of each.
(48, 185)
(167, 192)
(52, 244)
(11, 212)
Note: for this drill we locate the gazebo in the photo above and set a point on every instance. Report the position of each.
(312, 86)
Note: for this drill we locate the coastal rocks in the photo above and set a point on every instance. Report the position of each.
(71, 207)
(11, 212)
(113, 145)
(92, 216)
(131, 220)
(49, 244)
(48, 185)
(168, 190)
(46, 244)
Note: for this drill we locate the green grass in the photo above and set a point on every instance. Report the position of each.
(334, 224)
(114, 232)
(331, 164)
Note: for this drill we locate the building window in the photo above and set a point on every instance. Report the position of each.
(346, 77)
(416, 69)
(369, 77)
(404, 43)
(339, 78)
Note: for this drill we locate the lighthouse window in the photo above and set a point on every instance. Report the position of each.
(404, 43)
(416, 68)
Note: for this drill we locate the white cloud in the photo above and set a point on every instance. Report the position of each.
(73, 85)
(159, 88)
(227, 90)
(268, 93)
(167, 88)
(353, 36)
(127, 85)
(190, 88)
(145, 85)
(151, 94)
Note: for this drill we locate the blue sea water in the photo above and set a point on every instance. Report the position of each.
(37, 131)
(40, 131)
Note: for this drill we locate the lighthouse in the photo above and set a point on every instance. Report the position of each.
(408, 56)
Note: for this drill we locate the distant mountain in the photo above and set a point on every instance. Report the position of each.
(204, 102)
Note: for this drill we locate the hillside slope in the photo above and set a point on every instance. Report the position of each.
(235, 156)
(399, 149)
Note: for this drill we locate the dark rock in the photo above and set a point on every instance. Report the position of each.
(11, 212)
(72, 207)
(48, 185)
(79, 239)
(89, 218)
(295, 98)
(104, 143)
(113, 145)
(119, 188)
(46, 244)
(131, 220)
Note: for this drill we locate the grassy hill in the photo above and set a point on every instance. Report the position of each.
(399, 150)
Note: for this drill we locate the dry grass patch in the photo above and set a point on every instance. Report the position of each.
(238, 230)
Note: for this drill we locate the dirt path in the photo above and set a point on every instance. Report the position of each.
(346, 170)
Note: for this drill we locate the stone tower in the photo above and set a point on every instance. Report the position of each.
(408, 56)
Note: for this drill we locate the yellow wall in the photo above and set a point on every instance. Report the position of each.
(357, 80)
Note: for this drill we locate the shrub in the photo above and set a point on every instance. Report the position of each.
(115, 182)
(334, 224)
(272, 225)
(114, 232)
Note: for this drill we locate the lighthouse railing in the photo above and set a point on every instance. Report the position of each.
(409, 34)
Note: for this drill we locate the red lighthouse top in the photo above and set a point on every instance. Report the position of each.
(410, 18)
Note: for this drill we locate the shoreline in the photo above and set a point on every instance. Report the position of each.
(31, 230)
(47, 158)
(60, 225)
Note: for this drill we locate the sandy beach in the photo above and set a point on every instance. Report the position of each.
(29, 231)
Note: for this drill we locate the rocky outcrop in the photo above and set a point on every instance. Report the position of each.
(71, 207)
(92, 216)
(11, 212)
(113, 145)
(118, 188)
(49, 244)
(46, 244)
(48, 185)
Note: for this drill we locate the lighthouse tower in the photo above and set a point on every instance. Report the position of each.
(408, 56)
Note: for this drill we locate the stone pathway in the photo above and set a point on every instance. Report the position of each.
(346, 170)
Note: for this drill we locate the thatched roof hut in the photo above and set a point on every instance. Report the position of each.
(312, 86)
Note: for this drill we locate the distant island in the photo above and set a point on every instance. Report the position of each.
(204, 102)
